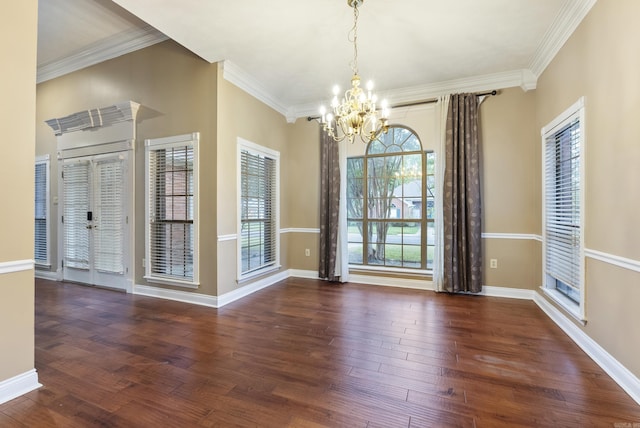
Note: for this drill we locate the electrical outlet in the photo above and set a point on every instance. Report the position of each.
(493, 263)
(307, 252)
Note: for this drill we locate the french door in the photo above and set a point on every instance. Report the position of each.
(95, 220)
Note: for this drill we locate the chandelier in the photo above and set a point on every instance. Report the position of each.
(356, 114)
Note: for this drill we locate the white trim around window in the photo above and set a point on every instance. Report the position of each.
(258, 168)
(42, 223)
(563, 203)
(172, 260)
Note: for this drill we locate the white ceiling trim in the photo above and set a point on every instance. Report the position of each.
(565, 23)
(509, 79)
(112, 47)
(243, 80)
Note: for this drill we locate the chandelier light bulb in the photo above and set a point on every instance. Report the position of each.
(385, 109)
(336, 90)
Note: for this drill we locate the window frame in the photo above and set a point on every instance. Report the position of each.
(185, 140)
(575, 113)
(44, 160)
(274, 265)
(423, 220)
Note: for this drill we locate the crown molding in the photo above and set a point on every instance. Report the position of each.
(112, 47)
(563, 26)
(523, 78)
(243, 80)
(508, 79)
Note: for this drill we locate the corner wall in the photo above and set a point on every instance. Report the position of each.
(242, 116)
(600, 62)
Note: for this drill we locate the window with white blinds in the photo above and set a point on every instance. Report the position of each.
(563, 212)
(41, 243)
(258, 210)
(171, 198)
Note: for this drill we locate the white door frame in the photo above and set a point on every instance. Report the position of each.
(92, 275)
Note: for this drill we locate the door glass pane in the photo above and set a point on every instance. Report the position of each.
(76, 205)
(108, 216)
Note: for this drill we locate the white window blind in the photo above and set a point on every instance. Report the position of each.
(109, 217)
(563, 217)
(170, 211)
(258, 211)
(41, 242)
(76, 176)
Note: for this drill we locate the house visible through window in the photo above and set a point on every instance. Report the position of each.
(41, 247)
(563, 213)
(390, 203)
(258, 209)
(171, 199)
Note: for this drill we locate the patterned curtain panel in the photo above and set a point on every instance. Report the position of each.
(462, 271)
(329, 206)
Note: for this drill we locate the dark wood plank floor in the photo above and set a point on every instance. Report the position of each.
(304, 353)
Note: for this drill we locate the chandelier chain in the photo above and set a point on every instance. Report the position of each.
(353, 37)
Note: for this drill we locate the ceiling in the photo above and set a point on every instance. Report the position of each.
(290, 53)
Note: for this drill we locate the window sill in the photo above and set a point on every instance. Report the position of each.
(571, 307)
(170, 281)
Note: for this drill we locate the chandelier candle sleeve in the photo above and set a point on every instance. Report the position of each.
(356, 114)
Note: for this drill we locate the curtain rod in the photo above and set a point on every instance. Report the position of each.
(417, 103)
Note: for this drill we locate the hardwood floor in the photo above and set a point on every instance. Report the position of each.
(304, 353)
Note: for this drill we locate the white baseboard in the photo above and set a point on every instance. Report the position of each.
(47, 274)
(205, 299)
(619, 373)
(308, 274)
(241, 292)
(18, 385)
(177, 295)
(510, 293)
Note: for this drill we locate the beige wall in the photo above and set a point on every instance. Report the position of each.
(600, 62)
(302, 184)
(17, 110)
(511, 189)
(177, 93)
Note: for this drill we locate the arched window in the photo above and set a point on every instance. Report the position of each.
(390, 203)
